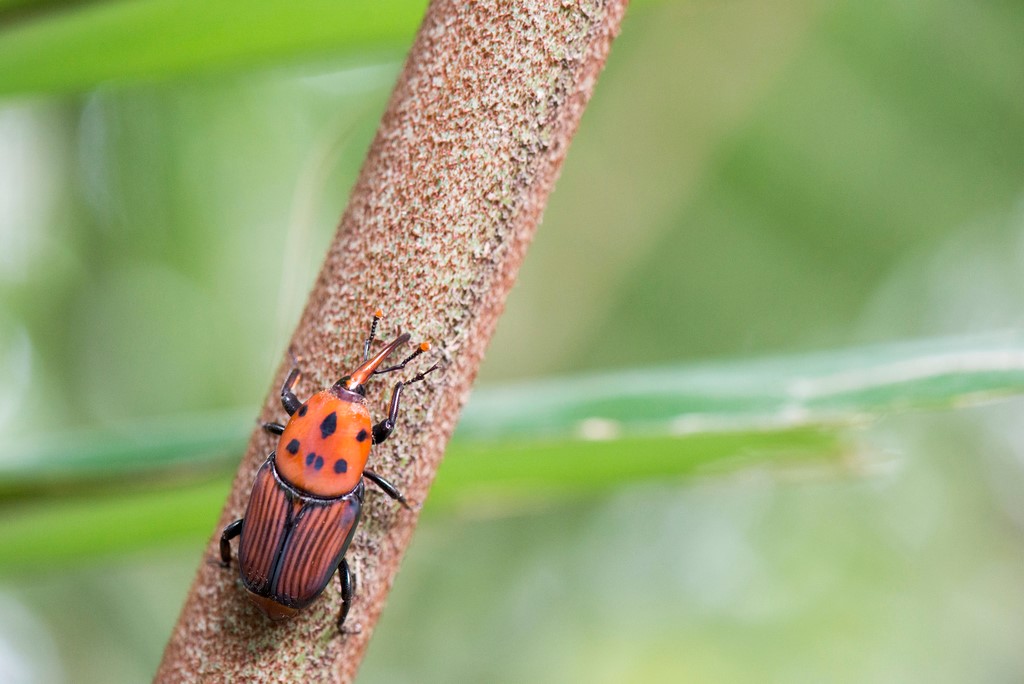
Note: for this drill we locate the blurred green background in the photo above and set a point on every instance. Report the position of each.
(751, 179)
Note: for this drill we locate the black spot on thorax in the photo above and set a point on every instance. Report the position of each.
(329, 425)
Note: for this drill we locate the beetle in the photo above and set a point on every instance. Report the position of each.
(308, 495)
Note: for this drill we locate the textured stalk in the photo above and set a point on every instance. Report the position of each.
(437, 226)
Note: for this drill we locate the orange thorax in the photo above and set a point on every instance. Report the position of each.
(325, 445)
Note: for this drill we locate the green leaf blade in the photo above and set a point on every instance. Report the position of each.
(518, 447)
(123, 41)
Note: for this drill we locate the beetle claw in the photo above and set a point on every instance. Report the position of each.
(346, 630)
(413, 506)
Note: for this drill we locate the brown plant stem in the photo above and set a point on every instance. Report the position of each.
(437, 226)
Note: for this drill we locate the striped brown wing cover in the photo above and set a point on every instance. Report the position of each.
(292, 543)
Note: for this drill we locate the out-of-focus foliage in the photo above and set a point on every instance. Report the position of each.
(750, 179)
(532, 442)
(121, 41)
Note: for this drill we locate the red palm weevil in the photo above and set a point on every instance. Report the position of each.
(308, 494)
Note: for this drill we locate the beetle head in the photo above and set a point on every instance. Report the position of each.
(355, 382)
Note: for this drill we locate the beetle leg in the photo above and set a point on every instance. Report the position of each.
(420, 376)
(384, 428)
(274, 428)
(230, 532)
(290, 402)
(386, 486)
(348, 590)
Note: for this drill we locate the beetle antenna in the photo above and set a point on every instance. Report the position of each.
(377, 315)
(424, 346)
